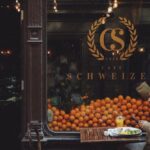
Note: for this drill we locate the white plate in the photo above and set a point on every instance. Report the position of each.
(124, 131)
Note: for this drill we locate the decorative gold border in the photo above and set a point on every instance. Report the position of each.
(124, 55)
(90, 39)
(133, 39)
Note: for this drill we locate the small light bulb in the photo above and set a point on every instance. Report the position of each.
(56, 10)
(103, 21)
(55, 7)
(141, 49)
(115, 5)
(110, 9)
(107, 15)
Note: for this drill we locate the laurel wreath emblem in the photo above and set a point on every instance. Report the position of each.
(133, 39)
(125, 54)
(90, 39)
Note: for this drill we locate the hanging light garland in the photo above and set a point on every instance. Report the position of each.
(17, 6)
(55, 6)
(112, 5)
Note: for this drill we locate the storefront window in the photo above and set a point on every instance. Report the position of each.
(98, 64)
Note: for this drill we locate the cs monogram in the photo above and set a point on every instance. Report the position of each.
(114, 38)
(116, 35)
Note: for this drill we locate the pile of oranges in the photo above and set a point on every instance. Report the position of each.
(100, 113)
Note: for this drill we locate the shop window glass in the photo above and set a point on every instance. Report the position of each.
(98, 64)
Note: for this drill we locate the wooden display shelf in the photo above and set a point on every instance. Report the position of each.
(88, 135)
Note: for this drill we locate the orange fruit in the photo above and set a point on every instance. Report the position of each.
(130, 111)
(146, 103)
(87, 111)
(108, 122)
(137, 117)
(120, 97)
(86, 118)
(113, 124)
(77, 109)
(86, 125)
(91, 116)
(76, 121)
(140, 108)
(81, 119)
(62, 112)
(108, 105)
(90, 122)
(66, 116)
(125, 112)
(83, 114)
(77, 129)
(127, 122)
(138, 102)
(137, 126)
(91, 107)
(50, 125)
(103, 103)
(110, 110)
(54, 109)
(100, 121)
(129, 105)
(133, 100)
(133, 122)
(54, 123)
(109, 116)
(128, 98)
(73, 126)
(136, 111)
(64, 127)
(140, 113)
(97, 115)
(96, 104)
(56, 112)
(134, 106)
(124, 101)
(116, 100)
(55, 118)
(114, 107)
(103, 108)
(104, 118)
(146, 113)
(123, 107)
(95, 125)
(143, 118)
(95, 120)
(105, 112)
(103, 125)
(64, 121)
(107, 99)
(72, 117)
(98, 110)
(60, 118)
(73, 112)
(128, 117)
(68, 124)
(77, 115)
(81, 124)
(56, 128)
(145, 108)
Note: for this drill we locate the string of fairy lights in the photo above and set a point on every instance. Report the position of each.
(55, 5)
(16, 5)
(112, 5)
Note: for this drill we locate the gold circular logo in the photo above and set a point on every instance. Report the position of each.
(123, 55)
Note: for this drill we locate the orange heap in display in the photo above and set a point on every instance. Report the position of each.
(100, 113)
